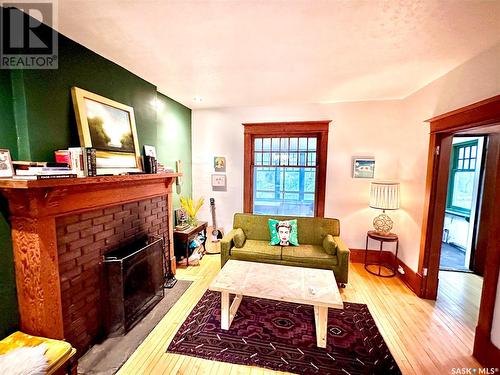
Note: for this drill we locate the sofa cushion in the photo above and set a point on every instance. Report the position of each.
(330, 245)
(255, 250)
(308, 254)
(283, 233)
(239, 238)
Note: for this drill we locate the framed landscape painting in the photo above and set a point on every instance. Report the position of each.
(363, 168)
(109, 127)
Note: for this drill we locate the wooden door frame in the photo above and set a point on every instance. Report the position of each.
(476, 116)
(318, 128)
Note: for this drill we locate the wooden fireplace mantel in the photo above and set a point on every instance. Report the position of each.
(33, 208)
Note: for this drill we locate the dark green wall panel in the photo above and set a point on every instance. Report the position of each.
(8, 139)
(174, 141)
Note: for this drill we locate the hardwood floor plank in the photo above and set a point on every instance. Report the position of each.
(425, 337)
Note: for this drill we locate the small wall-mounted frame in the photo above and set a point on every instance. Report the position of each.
(219, 182)
(219, 164)
(178, 167)
(6, 168)
(363, 167)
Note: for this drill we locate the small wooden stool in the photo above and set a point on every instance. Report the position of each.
(60, 354)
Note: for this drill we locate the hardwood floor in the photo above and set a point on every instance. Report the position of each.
(425, 337)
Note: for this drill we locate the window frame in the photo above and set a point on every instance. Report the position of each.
(318, 129)
(454, 170)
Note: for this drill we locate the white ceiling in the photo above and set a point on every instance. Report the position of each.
(242, 52)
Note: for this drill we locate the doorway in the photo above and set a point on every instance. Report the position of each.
(478, 119)
(463, 200)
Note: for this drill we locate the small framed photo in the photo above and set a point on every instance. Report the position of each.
(6, 167)
(150, 151)
(363, 168)
(219, 164)
(219, 182)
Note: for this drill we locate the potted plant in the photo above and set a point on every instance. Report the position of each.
(191, 209)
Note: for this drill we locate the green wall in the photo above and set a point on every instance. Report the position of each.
(174, 141)
(8, 302)
(36, 118)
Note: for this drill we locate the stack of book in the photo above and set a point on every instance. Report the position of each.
(28, 170)
(70, 163)
(81, 160)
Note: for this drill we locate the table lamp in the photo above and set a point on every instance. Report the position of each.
(384, 195)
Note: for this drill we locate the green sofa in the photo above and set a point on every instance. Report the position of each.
(319, 244)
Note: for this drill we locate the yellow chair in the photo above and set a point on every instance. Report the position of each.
(60, 354)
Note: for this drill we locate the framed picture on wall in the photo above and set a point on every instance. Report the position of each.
(219, 164)
(363, 168)
(6, 168)
(219, 182)
(109, 127)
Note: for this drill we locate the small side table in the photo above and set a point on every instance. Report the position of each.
(184, 237)
(390, 237)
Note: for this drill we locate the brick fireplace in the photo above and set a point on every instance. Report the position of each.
(61, 229)
(82, 240)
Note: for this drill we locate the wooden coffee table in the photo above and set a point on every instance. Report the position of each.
(308, 286)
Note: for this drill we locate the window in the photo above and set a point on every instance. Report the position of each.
(462, 172)
(285, 165)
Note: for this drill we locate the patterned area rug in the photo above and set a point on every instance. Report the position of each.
(281, 336)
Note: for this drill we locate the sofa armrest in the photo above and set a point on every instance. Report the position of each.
(226, 244)
(343, 257)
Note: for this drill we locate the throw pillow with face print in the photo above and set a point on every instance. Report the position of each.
(283, 232)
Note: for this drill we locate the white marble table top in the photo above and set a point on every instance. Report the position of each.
(283, 283)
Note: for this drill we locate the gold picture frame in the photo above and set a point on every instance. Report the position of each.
(109, 127)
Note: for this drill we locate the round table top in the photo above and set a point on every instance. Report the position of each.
(382, 236)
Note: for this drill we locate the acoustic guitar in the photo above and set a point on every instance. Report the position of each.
(217, 233)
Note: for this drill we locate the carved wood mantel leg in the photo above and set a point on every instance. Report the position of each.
(37, 276)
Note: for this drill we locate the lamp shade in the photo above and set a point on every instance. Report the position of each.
(384, 195)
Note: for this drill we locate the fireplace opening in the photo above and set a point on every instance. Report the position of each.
(133, 283)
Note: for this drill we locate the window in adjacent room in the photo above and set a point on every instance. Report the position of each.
(285, 167)
(462, 174)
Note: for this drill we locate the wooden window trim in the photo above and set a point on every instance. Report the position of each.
(303, 128)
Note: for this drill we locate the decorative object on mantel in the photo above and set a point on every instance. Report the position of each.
(109, 127)
(219, 182)
(384, 195)
(191, 209)
(363, 167)
(150, 161)
(6, 168)
(219, 164)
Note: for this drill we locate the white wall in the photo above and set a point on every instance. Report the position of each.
(394, 132)
(357, 129)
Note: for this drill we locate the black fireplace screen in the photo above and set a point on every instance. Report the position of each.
(133, 283)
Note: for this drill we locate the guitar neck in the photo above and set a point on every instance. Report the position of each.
(214, 222)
